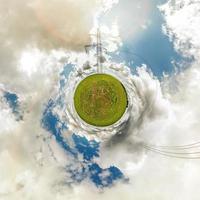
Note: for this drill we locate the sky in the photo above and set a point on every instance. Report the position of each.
(46, 152)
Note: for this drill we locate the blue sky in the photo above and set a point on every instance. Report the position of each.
(152, 46)
(46, 150)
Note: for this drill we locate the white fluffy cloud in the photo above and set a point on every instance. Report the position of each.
(31, 30)
(47, 24)
(132, 17)
(182, 25)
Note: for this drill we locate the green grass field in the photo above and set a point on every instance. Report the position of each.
(100, 100)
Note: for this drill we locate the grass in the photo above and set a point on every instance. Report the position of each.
(100, 100)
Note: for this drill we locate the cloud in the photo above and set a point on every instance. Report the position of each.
(47, 24)
(131, 16)
(182, 26)
(31, 30)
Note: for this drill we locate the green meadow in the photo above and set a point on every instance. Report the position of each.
(100, 100)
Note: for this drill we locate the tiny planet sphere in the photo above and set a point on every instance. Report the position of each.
(100, 100)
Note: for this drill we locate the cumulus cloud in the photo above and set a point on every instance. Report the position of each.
(182, 26)
(31, 30)
(47, 24)
(132, 17)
